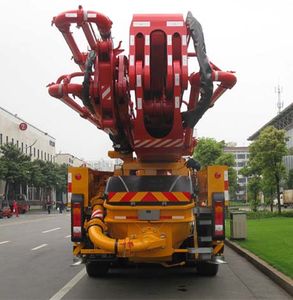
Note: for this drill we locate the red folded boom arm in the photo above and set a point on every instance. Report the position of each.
(154, 124)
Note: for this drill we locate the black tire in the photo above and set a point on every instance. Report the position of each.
(207, 269)
(97, 269)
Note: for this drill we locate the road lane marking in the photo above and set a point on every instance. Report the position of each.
(50, 230)
(14, 222)
(68, 236)
(67, 287)
(39, 247)
(4, 242)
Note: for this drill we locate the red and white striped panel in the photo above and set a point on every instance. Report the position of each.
(158, 143)
(226, 186)
(69, 187)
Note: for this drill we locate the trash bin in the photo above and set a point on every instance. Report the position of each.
(238, 225)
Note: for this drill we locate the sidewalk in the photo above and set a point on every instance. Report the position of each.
(281, 279)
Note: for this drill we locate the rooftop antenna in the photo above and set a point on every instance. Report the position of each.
(280, 103)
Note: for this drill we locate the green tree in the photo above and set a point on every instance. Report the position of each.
(207, 151)
(266, 155)
(254, 189)
(290, 180)
(253, 173)
(18, 171)
(14, 169)
(210, 152)
(48, 176)
(269, 190)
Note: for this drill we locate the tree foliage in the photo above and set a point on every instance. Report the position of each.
(290, 180)
(266, 160)
(207, 151)
(13, 166)
(17, 169)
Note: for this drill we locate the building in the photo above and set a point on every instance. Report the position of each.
(28, 138)
(31, 140)
(69, 160)
(102, 165)
(241, 158)
(284, 120)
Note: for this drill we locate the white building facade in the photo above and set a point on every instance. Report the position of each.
(28, 138)
(69, 160)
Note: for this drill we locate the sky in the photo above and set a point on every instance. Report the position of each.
(252, 38)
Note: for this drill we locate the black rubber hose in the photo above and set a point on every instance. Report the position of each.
(190, 118)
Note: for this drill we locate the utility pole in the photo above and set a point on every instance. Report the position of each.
(280, 103)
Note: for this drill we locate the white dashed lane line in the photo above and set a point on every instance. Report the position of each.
(4, 242)
(61, 293)
(50, 230)
(39, 247)
(67, 236)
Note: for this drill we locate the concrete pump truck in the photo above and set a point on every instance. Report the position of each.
(157, 206)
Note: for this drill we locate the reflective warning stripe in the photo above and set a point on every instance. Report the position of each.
(226, 186)
(97, 214)
(69, 187)
(136, 218)
(149, 197)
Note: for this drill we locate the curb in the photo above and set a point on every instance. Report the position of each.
(281, 279)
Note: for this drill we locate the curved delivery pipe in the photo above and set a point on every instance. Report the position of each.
(96, 228)
(83, 19)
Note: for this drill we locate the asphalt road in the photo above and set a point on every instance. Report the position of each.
(35, 263)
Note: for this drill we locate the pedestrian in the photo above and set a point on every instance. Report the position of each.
(15, 208)
(49, 204)
(60, 207)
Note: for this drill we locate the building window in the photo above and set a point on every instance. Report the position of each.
(12, 141)
(7, 139)
(25, 148)
(17, 144)
(41, 154)
(0, 138)
(241, 156)
(22, 147)
(52, 143)
(242, 180)
(34, 152)
(240, 164)
(45, 155)
(38, 153)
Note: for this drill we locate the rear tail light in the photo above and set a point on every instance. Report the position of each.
(219, 216)
(77, 218)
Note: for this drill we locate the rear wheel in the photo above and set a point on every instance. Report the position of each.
(97, 269)
(207, 269)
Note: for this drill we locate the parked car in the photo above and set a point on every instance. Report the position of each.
(5, 210)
